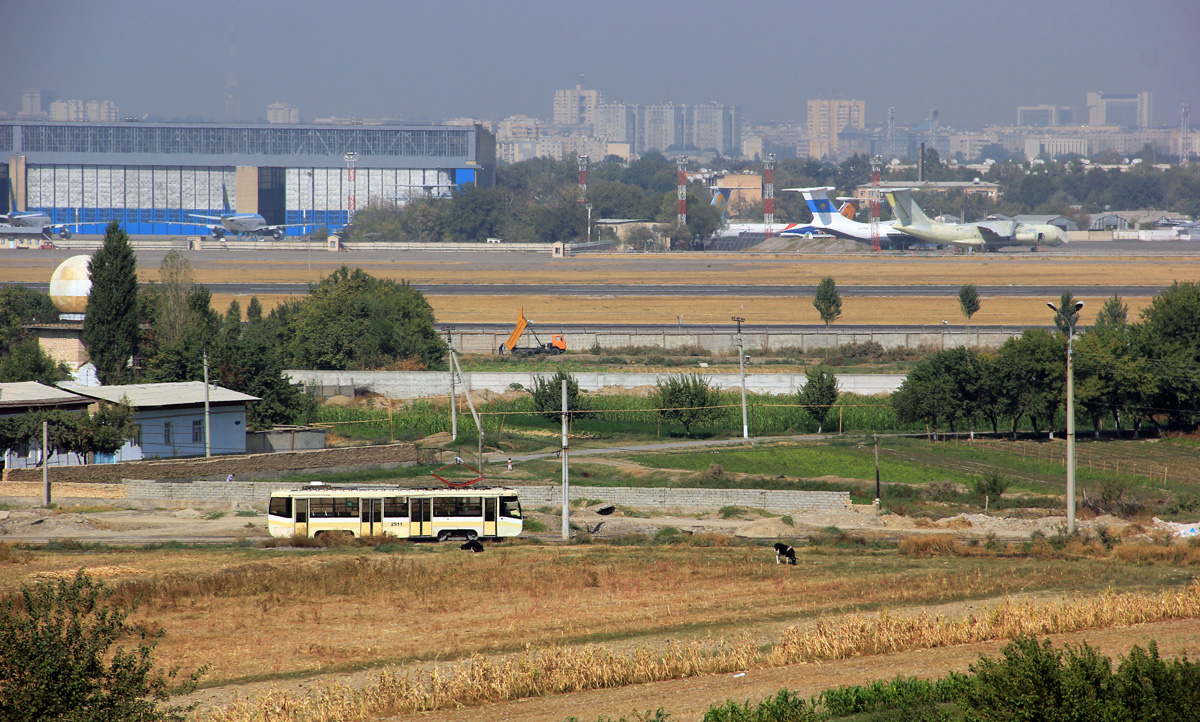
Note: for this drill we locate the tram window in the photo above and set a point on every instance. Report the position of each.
(301, 511)
(333, 508)
(458, 506)
(489, 509)
(510, 507)
(396, 506)
(281, 506)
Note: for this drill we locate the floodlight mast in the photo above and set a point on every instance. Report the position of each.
(1070, 321)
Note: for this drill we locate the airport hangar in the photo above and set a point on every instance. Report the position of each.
(152, 177)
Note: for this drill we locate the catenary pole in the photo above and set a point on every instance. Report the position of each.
(566, 478)
(207, 415)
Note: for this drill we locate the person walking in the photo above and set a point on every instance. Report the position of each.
(510, 463)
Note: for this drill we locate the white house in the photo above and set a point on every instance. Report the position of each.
(24, 397)
(170, 418)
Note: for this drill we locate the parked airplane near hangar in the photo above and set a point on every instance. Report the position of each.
(784, 230)
(984, 235)
(841, 223)
(242, 223)
(34, 219)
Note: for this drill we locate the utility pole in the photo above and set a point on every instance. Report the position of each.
(453, 396)
(566, 475)
(742, 371)
(878, 495)
(1067, 315)
(471, 405)
(45, 463)
(207, 415)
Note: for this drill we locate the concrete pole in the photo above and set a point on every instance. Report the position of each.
(453, 400)
(566, 476)
(1070, 435)
(45, 463)
(207, 415)
(742, 370)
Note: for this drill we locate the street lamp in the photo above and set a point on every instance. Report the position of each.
(351, 157)
(1069, 318)
(742, 369)
(945, 323)
(589, 210)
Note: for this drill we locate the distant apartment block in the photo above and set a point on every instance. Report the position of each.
(576, 106)
(1123, 110)
(1055, 147)
(283, 114)
(619, 123)
(827, 118)
(33, 102)
(78, 111)
(1044, 116)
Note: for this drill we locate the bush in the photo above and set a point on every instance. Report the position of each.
(688, 398)
(547, 396)
(57, 660)
(992, 484)
(535, 526)
(783, 707)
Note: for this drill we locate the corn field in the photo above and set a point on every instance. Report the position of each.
(478, 680)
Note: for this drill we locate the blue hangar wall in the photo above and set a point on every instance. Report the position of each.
(154, 177)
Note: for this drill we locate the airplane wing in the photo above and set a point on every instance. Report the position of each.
(207, 218)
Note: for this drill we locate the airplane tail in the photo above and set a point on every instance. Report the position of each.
(225, 200)
(721, 200)
(12, 196)
(849, 208)
(819, 203)
(906, 209)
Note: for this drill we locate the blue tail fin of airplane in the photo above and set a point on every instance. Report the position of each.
(721, 200)
(225, 200)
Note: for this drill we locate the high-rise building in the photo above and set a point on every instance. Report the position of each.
(826, 118)
(717, 127)
(619, 123)
(576, 106)
(33, 101)
(1123, 110)
(282, 114)
(69, 111)
(1044, 116)
(102, 111)
(666, 126)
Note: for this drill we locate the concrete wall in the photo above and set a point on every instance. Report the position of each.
(418, 384)
(722, 341)
(256, 493)
(288, 438)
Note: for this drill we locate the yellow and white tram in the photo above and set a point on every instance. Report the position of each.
(403, 512)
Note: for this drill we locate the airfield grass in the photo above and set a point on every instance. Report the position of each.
(255, 614)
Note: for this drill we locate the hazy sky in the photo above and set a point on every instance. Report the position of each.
(973, 61)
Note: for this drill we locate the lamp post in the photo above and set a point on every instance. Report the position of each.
(944, 325)
(589, 210)
(742, 370)
(351, 157)
(1070, 318)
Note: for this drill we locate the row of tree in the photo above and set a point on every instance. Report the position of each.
(1126, 373)
(537, 200)
(80, 433)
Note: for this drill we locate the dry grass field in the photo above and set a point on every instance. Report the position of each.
(256, 614)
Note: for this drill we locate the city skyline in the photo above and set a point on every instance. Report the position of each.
(769, 57)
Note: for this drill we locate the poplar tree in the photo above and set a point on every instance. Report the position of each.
(968, 301)
(828, 303)
(110, 329)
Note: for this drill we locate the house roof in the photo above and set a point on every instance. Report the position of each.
(140, 396)
(25, 394)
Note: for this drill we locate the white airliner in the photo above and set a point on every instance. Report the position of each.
(35, 219)
(840, 222)
(242, 223)
(985, 235)
(732, 230)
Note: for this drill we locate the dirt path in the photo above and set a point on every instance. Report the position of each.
(687, 699)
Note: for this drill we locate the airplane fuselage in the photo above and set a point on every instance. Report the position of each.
(243, 222)
(29, 219)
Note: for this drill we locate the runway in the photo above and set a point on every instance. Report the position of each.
(683, 290)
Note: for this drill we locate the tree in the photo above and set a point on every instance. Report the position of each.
(968, 301)
(1066, 317)
(110, 329)
(828, 303)
(171, 296)
(688, 399)
(1113, 314)
(61, 659)
(352, 320)
(547, 396)
(21, 356)
(819, 394)
(1032, 370)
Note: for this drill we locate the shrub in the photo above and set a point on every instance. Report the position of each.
(688, 398)
(535, 526)
(58, 661)
(992, 484)
(785, 706)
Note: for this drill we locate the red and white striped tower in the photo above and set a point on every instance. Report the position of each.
(681, 181)
(876, 162)
(583, 168)
(769, 194)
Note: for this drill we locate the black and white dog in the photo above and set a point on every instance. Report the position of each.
(784, 554)
(472, 546)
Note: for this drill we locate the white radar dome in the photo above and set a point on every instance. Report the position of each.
(70, 286)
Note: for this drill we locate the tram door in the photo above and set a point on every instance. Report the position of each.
(301, 528)
(420, 517)
(371, 516)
